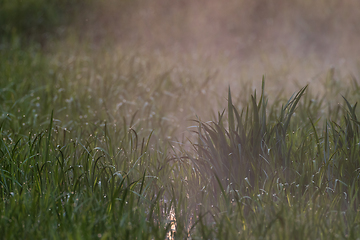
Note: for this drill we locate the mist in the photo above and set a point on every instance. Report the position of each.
(288, 41)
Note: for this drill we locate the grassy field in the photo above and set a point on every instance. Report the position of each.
(99, 142)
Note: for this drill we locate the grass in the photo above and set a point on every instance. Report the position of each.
(92, 147)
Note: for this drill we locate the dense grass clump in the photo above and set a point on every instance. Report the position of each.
(276, 170)
(51, 172)
(261, 140)
(57, 185)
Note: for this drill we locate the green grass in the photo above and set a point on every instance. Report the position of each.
(92, 147)
(278, 173)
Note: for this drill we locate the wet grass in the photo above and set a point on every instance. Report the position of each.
(92, 147)
(282, 171)
(86, 153)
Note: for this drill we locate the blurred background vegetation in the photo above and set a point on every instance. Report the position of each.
(240, 40)
(36, 20)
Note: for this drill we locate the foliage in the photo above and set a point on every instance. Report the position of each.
(33, 19)
(277, 166)
(89, 149)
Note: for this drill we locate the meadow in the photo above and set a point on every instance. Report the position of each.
(102, 142)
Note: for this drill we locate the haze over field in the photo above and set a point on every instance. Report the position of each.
(151, 119)
(285, 40)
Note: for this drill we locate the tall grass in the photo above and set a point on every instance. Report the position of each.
(274, 171)
(90, 148)
(84, 147)
(74, 179)
(77, 161)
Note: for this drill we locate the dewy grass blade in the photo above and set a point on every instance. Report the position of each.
(255, 116)
(49, 136)
(293, 106)
(231, 114)
(263, 107)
